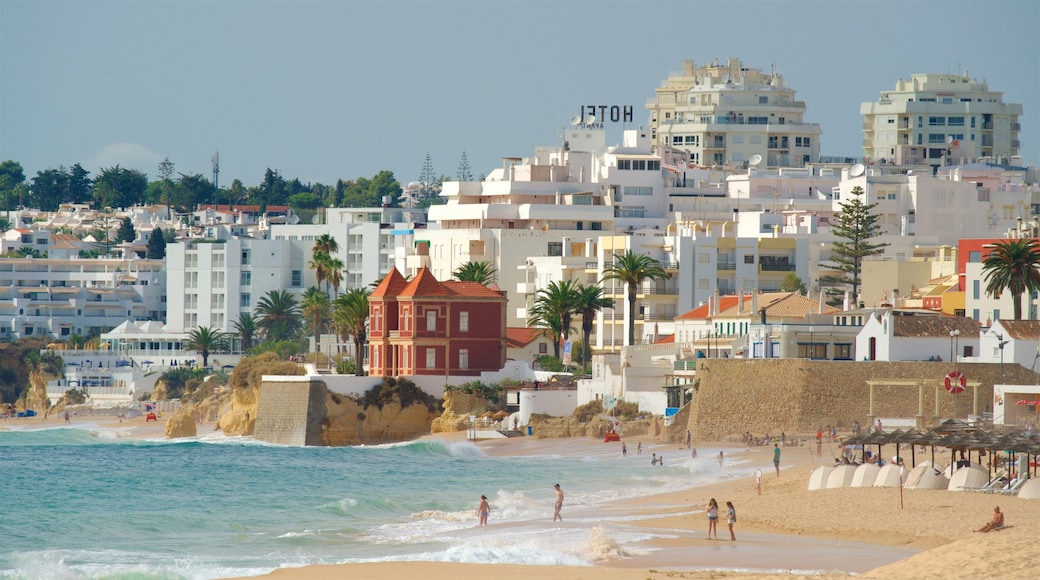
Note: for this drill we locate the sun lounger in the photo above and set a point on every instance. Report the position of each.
(1013, 487)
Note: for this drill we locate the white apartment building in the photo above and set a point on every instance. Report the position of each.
(212, 283)
(729, 114)
(366, 238)
(939, 119)
(61, 298)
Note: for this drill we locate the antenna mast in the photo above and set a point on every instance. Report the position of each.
(216, 177)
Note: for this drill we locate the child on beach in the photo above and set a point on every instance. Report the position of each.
(731, 518)
(484, 510)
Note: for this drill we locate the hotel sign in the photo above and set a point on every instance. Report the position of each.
(602, 113)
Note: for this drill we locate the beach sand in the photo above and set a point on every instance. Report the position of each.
(868, 532)
(929, 535)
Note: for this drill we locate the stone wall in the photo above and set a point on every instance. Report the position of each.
(798, 395)
(290, 411)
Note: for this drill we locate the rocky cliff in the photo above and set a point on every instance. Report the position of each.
(458, 407)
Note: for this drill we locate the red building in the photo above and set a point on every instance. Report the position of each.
(426, 327)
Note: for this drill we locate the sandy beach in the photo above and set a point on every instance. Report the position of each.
(933, 530)
(867, 532)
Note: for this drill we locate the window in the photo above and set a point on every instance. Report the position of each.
(974, 256)
(624, 164)
(218, 260)
(297, 278)
(463, 358)
(245, 257)
(191, 260)
(936, 121)
(431, 358)
(842, 352)
(955, 121)
(246, 278)
(555, 249)
(763, 100)
(431, 320)
(218, 300)
(637, 190)
(677, 139)
(653, 165)
(217, 279)
(692, 140)
(245, 299)
(543, 348)
(936, 138)
(749, 258)
(463, 322)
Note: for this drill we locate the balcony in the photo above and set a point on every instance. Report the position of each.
(726, 266)
(777, 267)
(525, 288)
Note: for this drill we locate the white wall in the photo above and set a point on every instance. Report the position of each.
(555, 403)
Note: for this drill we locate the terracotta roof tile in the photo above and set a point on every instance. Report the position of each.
(1021, 329)
(424, 284)
(473, 289)
(391, 285)
(519, 337)
(933, 326)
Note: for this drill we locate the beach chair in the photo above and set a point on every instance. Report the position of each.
(998, 481)
(1013, 487)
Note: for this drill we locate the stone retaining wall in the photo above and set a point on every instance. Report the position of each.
(290, 411)
(798, 395)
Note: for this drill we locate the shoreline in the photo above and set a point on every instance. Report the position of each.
(929, 536)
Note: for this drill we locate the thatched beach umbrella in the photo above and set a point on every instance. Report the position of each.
(878, 438)
(930, 438)
(954, 426)
(910, 437)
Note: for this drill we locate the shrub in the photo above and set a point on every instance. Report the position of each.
(588, 411)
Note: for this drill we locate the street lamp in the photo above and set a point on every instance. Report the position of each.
(954, 338)
(1000, 344)
(811, 329)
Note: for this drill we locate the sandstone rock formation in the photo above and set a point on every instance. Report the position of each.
(458, 407)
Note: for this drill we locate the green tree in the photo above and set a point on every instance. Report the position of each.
(156, 248)
(481, 272)
(165, 173)
(464, 173)
(192, 190)
(632, 270)
(1013, 265)
(11, 175)
(119, 187)
(350, 316)
(316, 309)
(554, 306)
(428, 179)
(279, 315)
(854, 228)
(325, 246)
(793, 283)
(205, 340)
(246, 329)
(126, 232)
(334, 275)
(588, 301)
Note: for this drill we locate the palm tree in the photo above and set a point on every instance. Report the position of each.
(324, 246)
(279, 315)
(553, 308)
(633, 269)
(245, 329)
(1012, 265)
(316, 310)
(320, 264)
(335, 275)
(588, 301)
(351, 316)
(205, 339)
(482, 272)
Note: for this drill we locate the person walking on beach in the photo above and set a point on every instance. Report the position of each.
(689, 438)
(731, 518)
(559, 503)
(67, 421)
(639, 448)
(758, 480)
(713, 518)
(720, 459)
(484, 510)
(624, 450)
(776, 459)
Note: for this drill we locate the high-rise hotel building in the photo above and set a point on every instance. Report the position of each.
(940, 119)
(728, 114)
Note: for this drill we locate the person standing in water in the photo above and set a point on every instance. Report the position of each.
(559, 503)
(484, 510)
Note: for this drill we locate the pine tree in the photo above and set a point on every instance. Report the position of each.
(464, 173)
(126, 231)
(855, 226)
(156, 249)
(428, 179)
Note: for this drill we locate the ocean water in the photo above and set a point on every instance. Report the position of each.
(82, 502)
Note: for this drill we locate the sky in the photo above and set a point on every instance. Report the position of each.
(337, 89)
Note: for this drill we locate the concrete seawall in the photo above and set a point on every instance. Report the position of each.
(798, 395)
